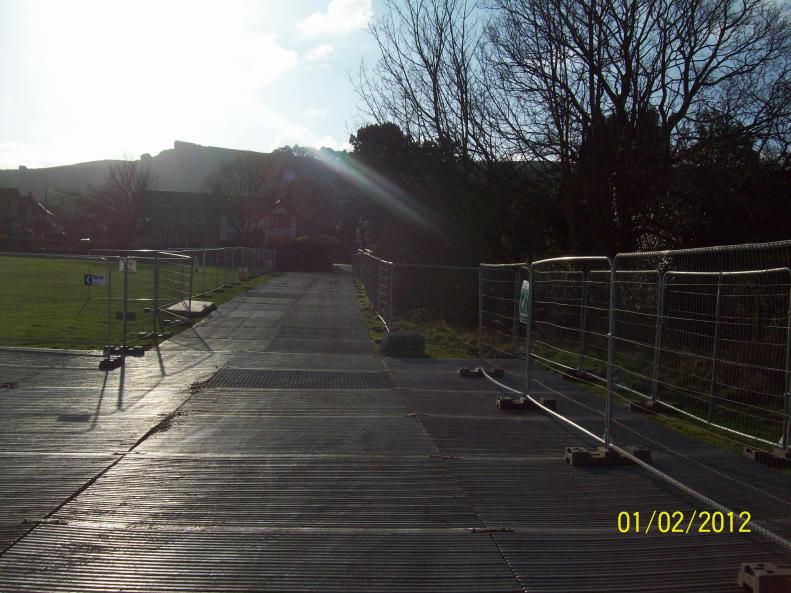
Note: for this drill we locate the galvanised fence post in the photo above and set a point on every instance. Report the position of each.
(125, 308)
(390, 297)
(531, 293)
(203, 272)
(515, 313)
(480, 313)
(660, 324)
(583, 322)
(716, 348)
(156, 295)
(610, 353)
(785, 438)
(192, 276)
(379, 288)
(109, 303)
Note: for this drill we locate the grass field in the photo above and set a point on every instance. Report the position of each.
(45, 303)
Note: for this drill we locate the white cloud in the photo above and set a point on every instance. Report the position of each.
(341, 17)
(187, 81)
(319, 113)
(320, 53)
(330, 142)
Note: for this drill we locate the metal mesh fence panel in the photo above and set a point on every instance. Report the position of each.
(439, 301)
(56, 301)
(174, 287)
(366, 270)
(707, 332)
(442, 293)
(113, 298)
(501, 337)
(132, 317)
(218, 267)
(569, 331)
(570, 314)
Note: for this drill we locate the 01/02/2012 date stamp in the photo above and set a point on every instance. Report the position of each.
(681, 522)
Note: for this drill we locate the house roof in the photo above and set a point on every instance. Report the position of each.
(11, 193)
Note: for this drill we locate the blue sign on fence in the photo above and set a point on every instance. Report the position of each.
(93, 279)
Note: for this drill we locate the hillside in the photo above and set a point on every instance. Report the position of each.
(181, 168)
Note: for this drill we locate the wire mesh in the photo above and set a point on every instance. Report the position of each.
(703, 332)
(376, 276)
(708, 334)
(56, 301)
(501, 337)
(116, 298)
(569, 329)
(175, 279)
(439, 301)
(112, 297)
(446, 294)
(216, 268)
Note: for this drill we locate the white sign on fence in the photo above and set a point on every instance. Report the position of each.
(127, 264)
(524, 302)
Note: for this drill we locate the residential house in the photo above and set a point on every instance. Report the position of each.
(24, 217)
(280, 224)
(179, 219)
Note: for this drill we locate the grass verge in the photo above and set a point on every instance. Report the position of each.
(689, 427)
(442, 339)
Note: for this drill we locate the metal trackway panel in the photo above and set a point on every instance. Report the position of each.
(635, 563)
(290, 435)
(305, 361)
(424, 488)
(290, 491)
(87, 558)
(295, 402)
(328, 346)
(32, 485)
(278, 379)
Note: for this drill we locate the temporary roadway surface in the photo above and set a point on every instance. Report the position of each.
(269, 448)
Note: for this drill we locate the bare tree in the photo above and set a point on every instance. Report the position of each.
(595, 87)
(428, 79)
(250, 183)
(594, 99)
(561, 64)
(119, 200)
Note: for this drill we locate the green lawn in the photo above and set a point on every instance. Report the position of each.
(44, 302)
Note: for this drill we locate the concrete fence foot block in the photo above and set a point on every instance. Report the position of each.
(601, 456)
(764, 577)
(109, 364)
(191, 309)
(493, 372)
(778, 458)
(505, 402)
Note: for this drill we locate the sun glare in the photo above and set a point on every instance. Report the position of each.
(144, 73)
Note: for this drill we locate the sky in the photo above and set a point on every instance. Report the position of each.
(85, 80)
